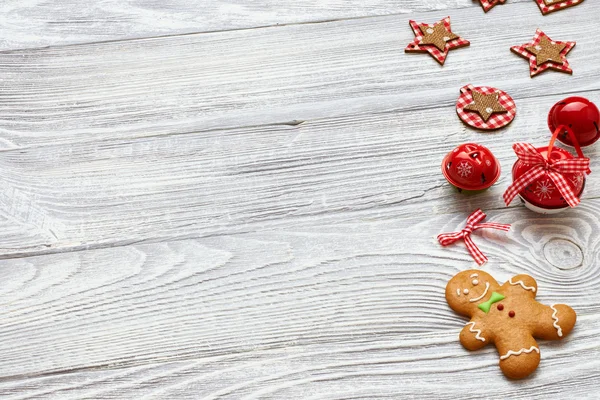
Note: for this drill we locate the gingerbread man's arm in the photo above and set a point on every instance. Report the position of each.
(474, 336)
(554, 322)
(523, 282)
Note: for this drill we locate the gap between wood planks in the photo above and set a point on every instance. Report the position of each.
(293, 123)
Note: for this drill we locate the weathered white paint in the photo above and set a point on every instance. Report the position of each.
(276, 75)
(379, 166)
(309, 268)
(296, 312)
(37, 23)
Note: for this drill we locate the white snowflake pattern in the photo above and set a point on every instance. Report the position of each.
(544, 189)
(464, 169)
(577, 180)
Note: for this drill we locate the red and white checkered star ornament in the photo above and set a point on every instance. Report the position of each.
(474, 119)
(548, 6)
(527, 51)
(489, 4)
(452, 41)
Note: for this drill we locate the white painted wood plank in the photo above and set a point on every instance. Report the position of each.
(322, 299)
(380, 166)
(321, 311)
(275, 75)
(375, 368)
(38, 23)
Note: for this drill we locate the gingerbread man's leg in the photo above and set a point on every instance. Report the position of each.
(519, 356)
(554, 322)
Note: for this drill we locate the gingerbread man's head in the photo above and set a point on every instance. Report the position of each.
(468, 289)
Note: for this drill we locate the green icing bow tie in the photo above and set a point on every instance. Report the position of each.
(485, 307)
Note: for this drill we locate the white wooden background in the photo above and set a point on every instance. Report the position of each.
(237, 199)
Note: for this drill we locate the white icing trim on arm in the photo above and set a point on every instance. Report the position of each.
(522, 284)
(477, 332)
(555, 318)
(517, 353)
(458, 292)
(487, 286)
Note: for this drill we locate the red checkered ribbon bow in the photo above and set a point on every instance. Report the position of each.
(473, 224)
(540, 167)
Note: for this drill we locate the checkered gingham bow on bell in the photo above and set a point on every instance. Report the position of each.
(540, 167)
(473, 224)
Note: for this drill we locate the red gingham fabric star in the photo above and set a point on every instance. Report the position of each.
(536, 69)
(473, 119)
(489, 4)
(548, 6)
(473, 224)
(440, 56)
(541, 167)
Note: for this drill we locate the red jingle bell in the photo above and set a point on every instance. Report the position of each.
(579, 114)
(471, 167)
(542, 195)
(548, 179)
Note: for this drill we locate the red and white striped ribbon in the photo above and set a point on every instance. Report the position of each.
(541, 167)
(473, 224)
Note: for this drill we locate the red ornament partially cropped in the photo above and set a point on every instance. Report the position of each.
(471, 167)
(542, 195)
(581, 115)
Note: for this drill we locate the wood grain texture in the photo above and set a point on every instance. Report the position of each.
(251, 214)
(366, 167)
(39, 23)
(329, 311)
(276, 75)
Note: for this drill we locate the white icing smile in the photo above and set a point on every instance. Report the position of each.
(474, 282)
(487, 287)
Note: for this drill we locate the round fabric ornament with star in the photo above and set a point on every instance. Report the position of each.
(485, 108)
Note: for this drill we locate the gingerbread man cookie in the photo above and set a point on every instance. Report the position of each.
(508, 316)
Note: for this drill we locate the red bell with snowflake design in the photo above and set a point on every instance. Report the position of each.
(471, 167)
(542, 195)
(579, 114)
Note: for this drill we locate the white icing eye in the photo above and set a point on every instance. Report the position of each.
(475, 282)
(466, 291)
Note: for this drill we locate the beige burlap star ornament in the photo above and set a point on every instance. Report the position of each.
(436, 39)
(544, 53)
(437, 35)
(485, 105)
(547, 51)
